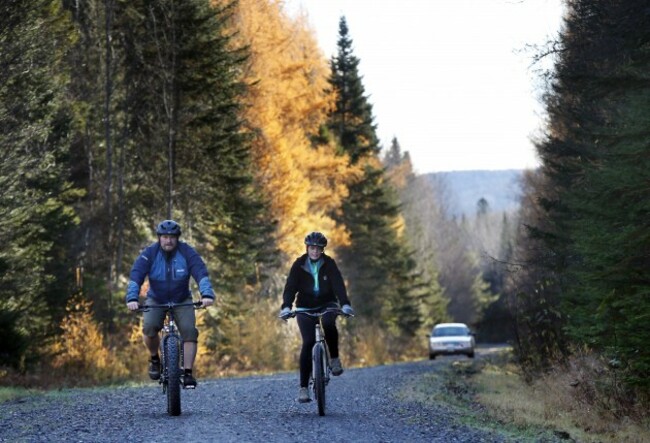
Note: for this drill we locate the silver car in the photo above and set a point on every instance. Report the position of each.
(450, 339)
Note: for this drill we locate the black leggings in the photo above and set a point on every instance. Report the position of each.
(307, 327)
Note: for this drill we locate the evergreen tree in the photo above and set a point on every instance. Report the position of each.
(497, 323)
(586, 248)
(35, 216)
(418, 203)
(533, 284)
(352, 121)
(94, 63)
(187, 121)
(394, 156)
(606, 291)
(381, 272)
(181, 146)
(460, 274)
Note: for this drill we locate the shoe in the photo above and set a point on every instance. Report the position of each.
(337, 369)
(154, 369)
(189, 381)
(303, 395)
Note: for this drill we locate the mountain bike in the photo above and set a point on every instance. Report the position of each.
(171, 356)
(320, 357)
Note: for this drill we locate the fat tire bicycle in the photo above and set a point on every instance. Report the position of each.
(171, 355)
(320, 357)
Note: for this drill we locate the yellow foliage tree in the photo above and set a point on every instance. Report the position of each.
(80, 351)
(287, 73)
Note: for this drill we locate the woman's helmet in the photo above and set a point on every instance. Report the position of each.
(168, 227)
(316, 239)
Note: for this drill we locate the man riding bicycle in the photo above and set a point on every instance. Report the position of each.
(169, 263)
(316, 284)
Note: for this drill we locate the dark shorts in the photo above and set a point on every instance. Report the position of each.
(183, 315)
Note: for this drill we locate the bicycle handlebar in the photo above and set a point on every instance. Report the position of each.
(167, 306)
(337, 311)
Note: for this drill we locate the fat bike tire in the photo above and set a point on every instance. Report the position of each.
(172, 359)
(319, 379)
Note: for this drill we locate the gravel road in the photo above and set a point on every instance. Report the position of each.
(363, 406)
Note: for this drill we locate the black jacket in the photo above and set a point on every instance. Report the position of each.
(300, 284)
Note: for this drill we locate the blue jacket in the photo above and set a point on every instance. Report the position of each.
(169, 274)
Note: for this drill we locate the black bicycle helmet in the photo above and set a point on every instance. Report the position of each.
(168, 227)
(316, 239)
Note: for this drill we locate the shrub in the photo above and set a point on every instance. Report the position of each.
(79, 354)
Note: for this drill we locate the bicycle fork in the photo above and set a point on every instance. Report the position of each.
(320, 341)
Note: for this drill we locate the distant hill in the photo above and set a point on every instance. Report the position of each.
(501, 189)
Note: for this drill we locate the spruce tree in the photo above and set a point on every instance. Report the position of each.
(35, 214)
(382, 275)
(352, 121)
(606, 293)
(587, 242)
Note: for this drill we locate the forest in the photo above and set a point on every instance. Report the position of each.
(227, 117)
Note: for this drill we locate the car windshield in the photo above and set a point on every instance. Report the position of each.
(449, 331)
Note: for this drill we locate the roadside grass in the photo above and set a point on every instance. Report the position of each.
(493, 394)
(7, 393)
(12, 388)
(558, 400)
(18, 392)
(451, 387)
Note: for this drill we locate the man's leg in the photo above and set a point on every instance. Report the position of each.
(186, 321)
(152, 344)
(189, 354)
(153, 323)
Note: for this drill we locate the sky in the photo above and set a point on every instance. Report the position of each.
(452, 80)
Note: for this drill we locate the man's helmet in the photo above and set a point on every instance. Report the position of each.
(168, 227)
(316, 239)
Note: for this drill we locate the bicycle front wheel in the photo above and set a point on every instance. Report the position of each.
(319, 377)
(172, 366)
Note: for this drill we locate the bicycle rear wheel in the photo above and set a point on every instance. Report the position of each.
(172, 359)
(319, 377)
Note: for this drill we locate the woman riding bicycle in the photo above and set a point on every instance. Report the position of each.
(315, 283)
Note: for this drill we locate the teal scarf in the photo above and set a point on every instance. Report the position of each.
(315, 267)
